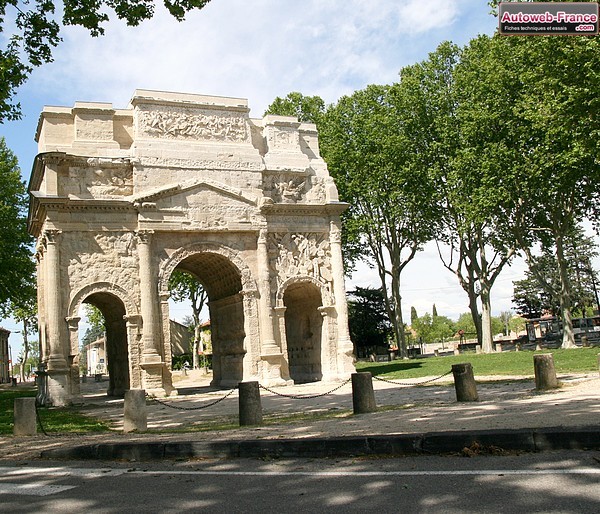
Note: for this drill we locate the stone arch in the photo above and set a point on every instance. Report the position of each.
(232, 294)
(326, 295)
(102, 287)
(305, 333)
(120, 344)
(183, 253)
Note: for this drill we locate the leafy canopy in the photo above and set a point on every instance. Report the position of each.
(17, 289)
(37, 31)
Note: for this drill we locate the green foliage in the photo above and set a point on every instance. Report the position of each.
(433, 329)
(306, 108)
(539, 292)
(366, 142)
(580, 360)
(97, 325)
(370, 327)
(37, 33)
(17, 281)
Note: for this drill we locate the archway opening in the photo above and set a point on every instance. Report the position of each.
(115, 342)
(303, 328)
(222, 282)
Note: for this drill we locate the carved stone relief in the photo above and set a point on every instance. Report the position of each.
(210, 125)
(98, 182)
(294, 254)
(106, 257)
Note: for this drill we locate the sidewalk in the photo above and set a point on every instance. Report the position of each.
(510, 415)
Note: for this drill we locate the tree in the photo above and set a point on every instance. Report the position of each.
(306, 108)
(539, 292)
(466, 240)
(369, 324)
(17, 287)
(184, 286)
(431, 329)
(37, 31)
(368, 151)
(413, 314)
(533, 107)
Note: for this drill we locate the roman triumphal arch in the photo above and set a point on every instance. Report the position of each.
(120, 198)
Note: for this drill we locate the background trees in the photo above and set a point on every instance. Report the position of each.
(17, 280)
(367, 147)
(532, 113)
(370, 327)
(185, 287)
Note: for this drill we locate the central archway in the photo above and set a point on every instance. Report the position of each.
(222, 281)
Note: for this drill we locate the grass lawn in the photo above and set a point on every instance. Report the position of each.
(576, 360)
(55, 420)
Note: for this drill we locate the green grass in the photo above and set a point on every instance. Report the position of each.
(55, 420)
(577, 360)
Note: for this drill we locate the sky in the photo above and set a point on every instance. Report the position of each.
(258, 50)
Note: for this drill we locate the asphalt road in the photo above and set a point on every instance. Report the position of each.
(565, 482)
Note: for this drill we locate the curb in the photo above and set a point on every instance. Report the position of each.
(487, 441)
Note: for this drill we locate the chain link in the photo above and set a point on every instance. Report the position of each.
(307, 396)
(411, 383)
(177, 407)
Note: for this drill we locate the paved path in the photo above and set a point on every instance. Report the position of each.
(505, 403)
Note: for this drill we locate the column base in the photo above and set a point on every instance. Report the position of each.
(58, 394)
(155, 381)
(275, 370)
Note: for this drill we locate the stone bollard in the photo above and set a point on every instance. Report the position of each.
(599, 363)
(249, 404)
(585, 342)
(135, 414)
(545, 374)
(363, 397)
(24, 416)
(464, 383)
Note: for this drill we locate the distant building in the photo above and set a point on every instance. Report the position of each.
(4, 356)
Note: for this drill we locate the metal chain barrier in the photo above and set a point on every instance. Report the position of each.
(39, 420)
(412, 383)
(177, 407)
(307, 396)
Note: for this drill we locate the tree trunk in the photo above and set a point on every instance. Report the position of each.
(565, 295)
(196, 347)
(398, 322)
(475, 315)
(25, 350)
(487, 345)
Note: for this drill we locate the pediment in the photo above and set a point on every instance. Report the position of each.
(191, 188)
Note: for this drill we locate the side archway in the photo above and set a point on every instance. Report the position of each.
(304, 332)
(116, 307)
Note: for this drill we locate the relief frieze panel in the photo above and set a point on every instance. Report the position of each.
(181, 123)
(296, 254)
(107, 257)
(98, 182)
(291, 188)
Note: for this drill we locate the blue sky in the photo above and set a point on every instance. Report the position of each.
(258, 50)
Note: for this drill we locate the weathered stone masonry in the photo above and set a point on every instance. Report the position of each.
(120, 198)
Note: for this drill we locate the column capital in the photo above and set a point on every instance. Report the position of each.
(73, 322)
(144, 236)
(51, 236)
(335, 233)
